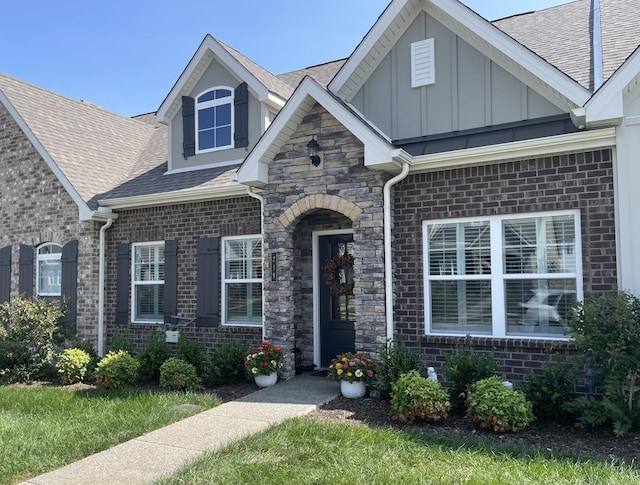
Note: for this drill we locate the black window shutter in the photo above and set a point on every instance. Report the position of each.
(5, 274)
(69, 283)
(170, 280)
(122, 285)
(241, 116)
(188, 127)
(208, 277)
(25, 273)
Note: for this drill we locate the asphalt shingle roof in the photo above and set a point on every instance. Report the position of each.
(562, 35)
(107, 156)
(94, 148)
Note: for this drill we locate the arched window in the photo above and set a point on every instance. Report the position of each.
(49, 270)
(214, 119)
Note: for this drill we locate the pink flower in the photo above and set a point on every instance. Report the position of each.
(370, 373)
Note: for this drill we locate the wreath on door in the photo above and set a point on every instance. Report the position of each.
(332, 274)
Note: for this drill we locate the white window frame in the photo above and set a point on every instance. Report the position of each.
(42, 258)
(212, 104)
(227, 280)
(135, 283)
(498, 275)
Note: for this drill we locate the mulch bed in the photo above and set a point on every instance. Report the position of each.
(559, 439)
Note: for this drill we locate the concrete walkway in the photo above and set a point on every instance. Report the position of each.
(162, 452)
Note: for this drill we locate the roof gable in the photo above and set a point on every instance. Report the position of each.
(607, 106)
(378, 152)
(516, 59)
(264, 85)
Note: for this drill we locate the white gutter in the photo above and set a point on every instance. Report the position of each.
(388, 264)
(251, 193)
(101, 276)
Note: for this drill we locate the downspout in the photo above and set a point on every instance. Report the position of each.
(251, 193)
(101, 276)
(388, 264)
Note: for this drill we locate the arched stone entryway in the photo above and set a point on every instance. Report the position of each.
(301, 200)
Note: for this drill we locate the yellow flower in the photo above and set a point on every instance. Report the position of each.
(344, 359)
(349, 374)
(338, 365)
(339, 371)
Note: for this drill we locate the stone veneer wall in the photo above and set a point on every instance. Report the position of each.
(296, 189)
(35, 208)
(186, 223)
(581, 181)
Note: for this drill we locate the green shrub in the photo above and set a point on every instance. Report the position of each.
(72, 365)
(95, 358)
(192, 352)
(178, 375)
(28, 335)
(117, 370)
(122, 340)
(497, 407)
(551, 390)
(227, 364)
(396, 360)
(151, 356)
(415, 398)
(607, 333)
(464, 367)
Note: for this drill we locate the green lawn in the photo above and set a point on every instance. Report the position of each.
(44, 428)
(305, 451)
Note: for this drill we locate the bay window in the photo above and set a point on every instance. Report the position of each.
(242, 280)
(514, 275)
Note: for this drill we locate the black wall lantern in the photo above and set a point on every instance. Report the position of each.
(313, 148)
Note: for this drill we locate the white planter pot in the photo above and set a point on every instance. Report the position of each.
(353, 390)
(266, 381)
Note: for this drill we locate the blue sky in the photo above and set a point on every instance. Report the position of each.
(125, 55)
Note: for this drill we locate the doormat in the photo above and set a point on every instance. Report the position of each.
(319, 373)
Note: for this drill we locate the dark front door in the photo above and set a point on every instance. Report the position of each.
(337, 312)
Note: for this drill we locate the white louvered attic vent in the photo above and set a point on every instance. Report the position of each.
(423, 68)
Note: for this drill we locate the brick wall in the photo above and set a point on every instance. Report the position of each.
(185, 223)
(581, 181)
(35, 208)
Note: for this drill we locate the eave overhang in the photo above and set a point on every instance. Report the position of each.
(176, 197)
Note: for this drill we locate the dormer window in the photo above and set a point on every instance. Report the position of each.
(214, 120)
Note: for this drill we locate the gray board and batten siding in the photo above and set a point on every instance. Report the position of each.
(470, 90)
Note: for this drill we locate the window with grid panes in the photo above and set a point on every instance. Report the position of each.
(502, 276)
(242, 280)
(148, 282)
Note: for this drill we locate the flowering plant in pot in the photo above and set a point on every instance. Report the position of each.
(264, 359)
(352, 367)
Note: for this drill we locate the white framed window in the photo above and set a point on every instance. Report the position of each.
(242, 280)
(49, 270)
(502, 276)
(214, 119)
(147, 282)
